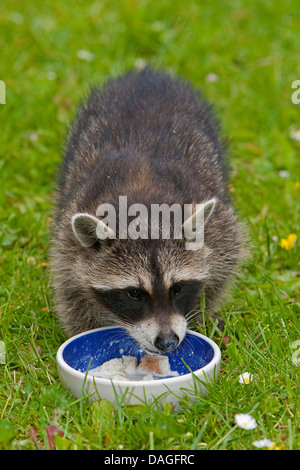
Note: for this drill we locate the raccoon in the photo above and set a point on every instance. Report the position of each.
(152, 138)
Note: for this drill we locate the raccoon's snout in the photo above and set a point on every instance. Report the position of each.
(166, 343)
(155, 337)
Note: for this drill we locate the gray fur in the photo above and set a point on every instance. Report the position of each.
(154, 139)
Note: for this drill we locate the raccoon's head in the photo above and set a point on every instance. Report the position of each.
(150, 287)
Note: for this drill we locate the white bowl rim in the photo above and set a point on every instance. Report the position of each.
(137, 383)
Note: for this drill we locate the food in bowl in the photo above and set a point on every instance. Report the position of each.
(128, 368)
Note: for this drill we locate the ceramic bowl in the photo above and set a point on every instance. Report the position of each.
(197, 361)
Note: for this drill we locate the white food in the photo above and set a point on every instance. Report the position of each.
(127, 368)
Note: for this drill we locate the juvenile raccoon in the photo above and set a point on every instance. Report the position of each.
(153, 139)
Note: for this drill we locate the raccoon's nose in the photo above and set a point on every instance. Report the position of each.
(166, 343)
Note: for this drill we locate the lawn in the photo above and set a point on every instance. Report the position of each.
(244, 55)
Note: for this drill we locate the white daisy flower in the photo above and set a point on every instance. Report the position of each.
(263, 443)
(245, 378)
(284, 173)
(31, 260)
(245, 421)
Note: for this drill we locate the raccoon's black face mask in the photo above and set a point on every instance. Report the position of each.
(157, 320)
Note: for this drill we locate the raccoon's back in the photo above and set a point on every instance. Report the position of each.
(151, 115)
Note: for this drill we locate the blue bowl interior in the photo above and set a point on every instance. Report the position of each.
(193, 353)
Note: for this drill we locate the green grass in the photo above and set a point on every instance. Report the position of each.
(253, 47)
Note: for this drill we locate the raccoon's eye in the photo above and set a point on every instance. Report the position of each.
(177, 288)
(135, 294)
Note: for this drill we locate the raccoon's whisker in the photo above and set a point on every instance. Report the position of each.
(125, 322)
(114, 320)
(192, 324)
(107, 320)
(192, 316)
(132, 348)
(192, 312)
(190, 345)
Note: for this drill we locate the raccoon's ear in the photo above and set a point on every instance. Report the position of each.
(88, 229)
